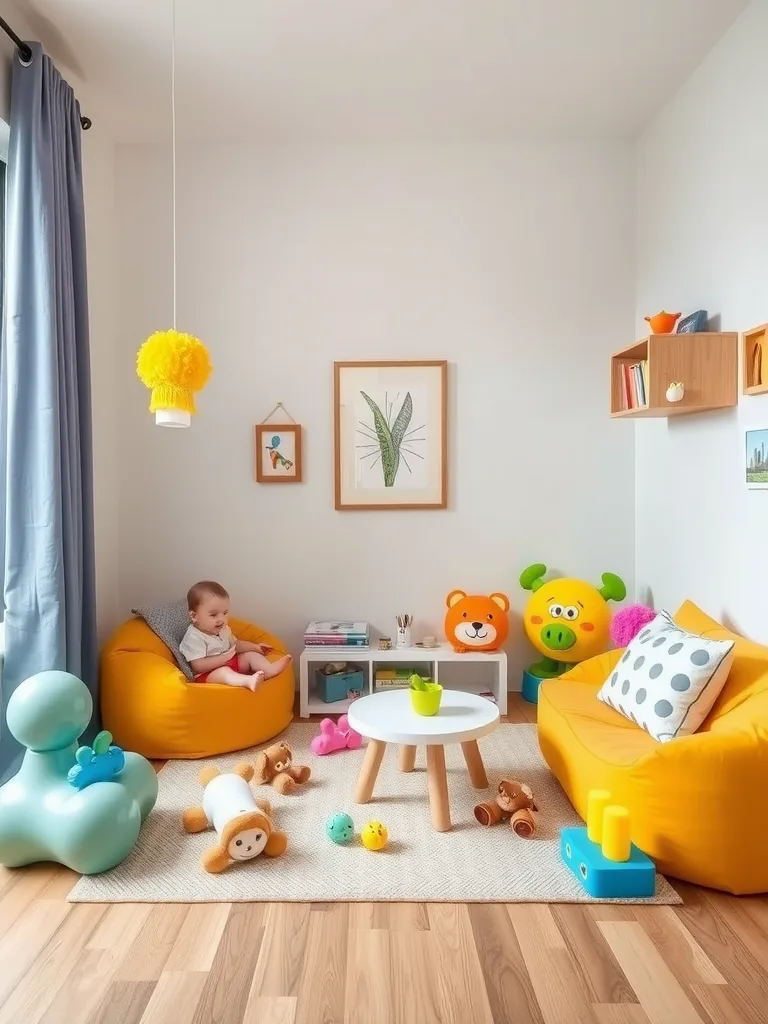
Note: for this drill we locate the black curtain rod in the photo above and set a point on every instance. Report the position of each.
(25, 54)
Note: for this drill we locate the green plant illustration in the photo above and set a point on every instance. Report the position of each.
(390, 441)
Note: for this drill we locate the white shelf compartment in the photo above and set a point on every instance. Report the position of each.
(493, 677)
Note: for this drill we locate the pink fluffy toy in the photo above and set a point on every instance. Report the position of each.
(627, 623)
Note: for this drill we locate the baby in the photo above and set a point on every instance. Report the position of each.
(212, 650)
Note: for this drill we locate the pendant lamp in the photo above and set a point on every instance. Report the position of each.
(172, 364)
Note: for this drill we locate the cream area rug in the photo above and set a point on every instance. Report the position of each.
(468, 864)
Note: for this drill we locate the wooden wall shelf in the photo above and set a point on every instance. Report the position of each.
(754, 360)
(706, 363)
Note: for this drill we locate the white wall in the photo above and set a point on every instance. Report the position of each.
(702, 231)
(99, 187)
(514, 263)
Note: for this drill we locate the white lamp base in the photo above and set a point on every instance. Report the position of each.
(172, 418)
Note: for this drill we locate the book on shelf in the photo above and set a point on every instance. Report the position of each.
(335, 641)
(634, 385)
(337, 627)
(336, 633)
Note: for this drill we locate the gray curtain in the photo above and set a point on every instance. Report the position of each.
(46, 466)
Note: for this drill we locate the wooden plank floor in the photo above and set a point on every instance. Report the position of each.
(705, 961)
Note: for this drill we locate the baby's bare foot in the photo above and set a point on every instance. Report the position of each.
(278, 666)
(256, 680)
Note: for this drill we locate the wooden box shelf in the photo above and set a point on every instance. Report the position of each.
(706, 363)
(754, 361)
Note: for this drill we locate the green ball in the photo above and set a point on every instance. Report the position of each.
(340, 828)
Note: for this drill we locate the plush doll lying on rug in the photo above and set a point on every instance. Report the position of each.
(243, 823)
(514, 803)
(274, 765)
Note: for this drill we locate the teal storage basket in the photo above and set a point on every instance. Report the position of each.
(334, 687)
(531, 684)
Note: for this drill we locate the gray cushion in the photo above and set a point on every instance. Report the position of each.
(169, 621)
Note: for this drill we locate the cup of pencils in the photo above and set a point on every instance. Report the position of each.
(404, 631)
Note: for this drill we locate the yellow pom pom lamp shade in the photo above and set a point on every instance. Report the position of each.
(173, 366)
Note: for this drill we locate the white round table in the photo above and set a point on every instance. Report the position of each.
(389, 718)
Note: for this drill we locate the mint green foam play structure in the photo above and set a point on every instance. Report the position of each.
(42, 816)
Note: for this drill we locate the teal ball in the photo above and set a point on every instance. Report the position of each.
(49, 711)
(340, 828)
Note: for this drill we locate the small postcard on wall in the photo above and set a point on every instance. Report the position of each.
(756, 458)
(278, 453)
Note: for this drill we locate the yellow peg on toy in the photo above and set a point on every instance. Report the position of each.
(597, 801)
(616, 839)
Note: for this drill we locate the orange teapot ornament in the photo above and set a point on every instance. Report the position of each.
(663, 323)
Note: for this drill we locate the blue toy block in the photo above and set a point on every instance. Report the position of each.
(607, 879)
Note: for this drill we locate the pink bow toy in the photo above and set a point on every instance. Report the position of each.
(335, 736)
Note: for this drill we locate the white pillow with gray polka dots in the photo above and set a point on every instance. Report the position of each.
(668, 679)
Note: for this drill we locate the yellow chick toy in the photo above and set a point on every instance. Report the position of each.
(374, 836)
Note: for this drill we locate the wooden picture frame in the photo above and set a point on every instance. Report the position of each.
(275, 464)
(756, 458)
(381, 460)
(754, 360)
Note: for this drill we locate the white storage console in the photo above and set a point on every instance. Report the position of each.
(474, 672)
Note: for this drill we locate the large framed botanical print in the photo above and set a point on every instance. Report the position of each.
(390, 428)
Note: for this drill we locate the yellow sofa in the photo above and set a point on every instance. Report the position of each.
(149, 706)
(697, 804)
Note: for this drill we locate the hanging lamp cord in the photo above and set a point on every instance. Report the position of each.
(173, 148)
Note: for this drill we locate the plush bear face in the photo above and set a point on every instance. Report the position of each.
(514, 796)
(278, 758)
(478, 623)
(248, 844)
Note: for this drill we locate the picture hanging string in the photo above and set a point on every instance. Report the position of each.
(272, 412)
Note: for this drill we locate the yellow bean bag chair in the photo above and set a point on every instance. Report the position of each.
(149, 705)
(696, 804)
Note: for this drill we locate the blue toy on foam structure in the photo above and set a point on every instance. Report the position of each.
(99, 763)
(81, 807)
(603, 858)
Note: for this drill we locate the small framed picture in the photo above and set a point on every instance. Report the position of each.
(278, 453)
(756, 459)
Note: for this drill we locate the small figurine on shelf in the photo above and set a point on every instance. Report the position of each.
(663, 322)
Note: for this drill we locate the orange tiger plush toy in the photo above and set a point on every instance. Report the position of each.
(476, 623)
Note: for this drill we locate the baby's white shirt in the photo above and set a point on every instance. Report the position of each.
(197, 644)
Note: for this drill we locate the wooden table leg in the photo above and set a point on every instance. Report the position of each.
(374, 752)
(406, 758)
(438, 789)
(477, 775)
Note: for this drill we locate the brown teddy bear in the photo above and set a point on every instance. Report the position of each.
(274, 765)
(514, 803)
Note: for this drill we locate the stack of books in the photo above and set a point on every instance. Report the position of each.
(634, 385)
(396, 678)
(337, 633)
